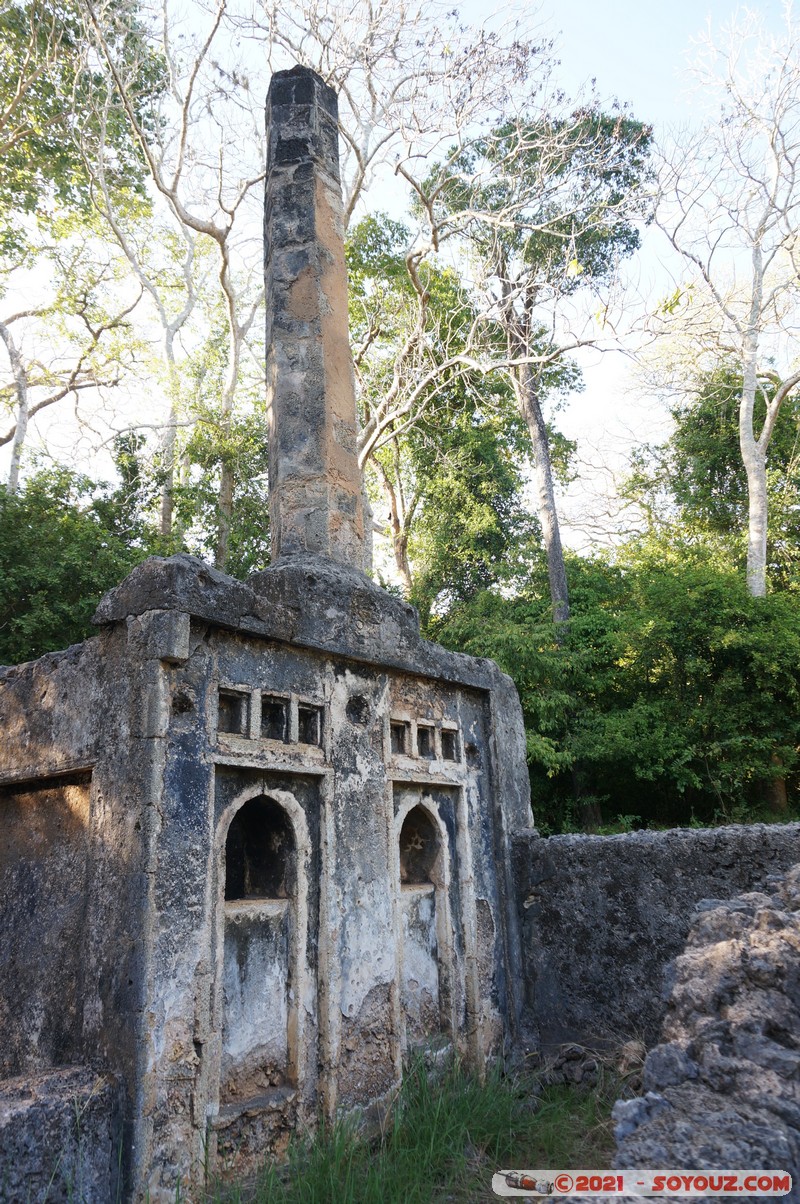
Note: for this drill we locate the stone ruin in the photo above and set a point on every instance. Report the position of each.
(260, 842)
(722, 1089)
(256, 836)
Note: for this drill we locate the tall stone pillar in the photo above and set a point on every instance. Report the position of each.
(316, 500)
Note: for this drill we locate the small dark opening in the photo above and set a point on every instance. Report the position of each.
(449, 745)
(425, 741)
(309, 725)
(399, 737)
(419, 845)
(259, 853)
(358, 710)
(473, 754)
(274, 718)
(232, 712)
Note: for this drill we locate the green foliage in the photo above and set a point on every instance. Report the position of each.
(442, 1142)
(63, 542)
(558, 197)
(57, 106)
(472, 529)
(695, 483)
(375, 252)
(672, 694)
(242, 444)
(460, 466)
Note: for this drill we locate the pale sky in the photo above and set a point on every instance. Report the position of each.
(635, 49)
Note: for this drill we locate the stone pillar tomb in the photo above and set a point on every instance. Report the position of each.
(256, 835)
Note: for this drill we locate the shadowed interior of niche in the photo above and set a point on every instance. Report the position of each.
(260, 853)
(419, 847)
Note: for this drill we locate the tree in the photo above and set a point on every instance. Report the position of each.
(204, 156)
(67, 312)
(438, 430)
(49, 87)
(730, 205)
(548, 205)
(426, 416)
(672, 694)
(693, 487)
(75, 339)
(64, 541)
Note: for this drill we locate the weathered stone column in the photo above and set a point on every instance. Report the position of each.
(315, 481)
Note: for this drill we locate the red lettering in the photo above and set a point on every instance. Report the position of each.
(686, 1180)
(658, 1183)
(782, 1183)
(765, 1183)
(750, 1183)
(674, 1183)
(730, 1184)
(700, 1183)
(582, 1183)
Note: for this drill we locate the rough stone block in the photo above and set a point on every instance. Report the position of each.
(60, 1138)
(724, 1087)
(603, 917)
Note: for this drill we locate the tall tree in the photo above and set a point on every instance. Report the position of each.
(50, 83)
(66, 309)
(440, 433)
(548, 204)
(75, 337)
(730, 206)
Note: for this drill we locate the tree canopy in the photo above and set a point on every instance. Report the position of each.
(52, 91)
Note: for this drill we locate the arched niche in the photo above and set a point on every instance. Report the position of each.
(263, 876)
(419, 848)
(425, 945)
(260, 853)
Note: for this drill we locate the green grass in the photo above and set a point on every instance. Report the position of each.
(441, 1143)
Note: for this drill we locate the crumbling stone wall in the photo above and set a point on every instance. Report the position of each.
(44, 867)
(603, 916)
(723, 1088)
(61, 1138)
(236, 1004)
(74, 769)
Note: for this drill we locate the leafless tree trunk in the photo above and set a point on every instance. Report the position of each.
(36, 388)
(21, 386)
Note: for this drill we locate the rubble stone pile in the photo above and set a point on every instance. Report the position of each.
(723, 1088)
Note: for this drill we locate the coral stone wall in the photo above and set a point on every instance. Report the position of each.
(603, 916)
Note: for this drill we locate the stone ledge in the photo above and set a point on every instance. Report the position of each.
(306, 600)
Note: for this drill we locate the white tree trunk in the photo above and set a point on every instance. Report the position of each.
(531, 411)
(754, 451)
(21, 387)
(756, 469)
